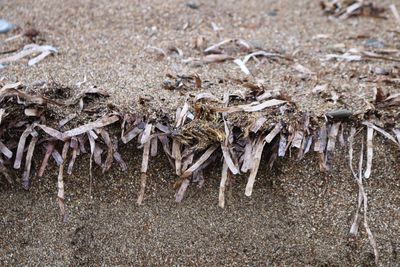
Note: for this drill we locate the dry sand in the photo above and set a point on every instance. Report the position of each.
(296, 216)
(105, 41)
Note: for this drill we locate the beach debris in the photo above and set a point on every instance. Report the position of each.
(344, 9)
(31, 34)
(5, 26)
(224, 178)
(31, 49)
(358, 54)
(256, 158)
(143, 172)
(215, 27)
(381, 131)
(28, 161)
(304, 70)
(49, 150)
(195, 166)
(242, 66)
(182, 82)
(370, 151)
(158, 51)
(395, 13)
(60, 184)
(253, 107)
(362, 198)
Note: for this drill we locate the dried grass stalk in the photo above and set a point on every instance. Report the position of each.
(130, 135)
(110, 151)
(92, 125)
(49, 151)
(282, 145)
(370, 151)
(298, 139)
(176, 154)
(21, 146)
(28, 162)
(187, 161)
(182, 115)
(248, 151)
(397, 133)
(57, 157)
(146, 134)
(320, 145)
(333, 133)
(75, 148)
(196, 165)
(381, 131)
(277, 129)
(258, 149)
(5, 151)
(362, 197)
(224, 177)
(60, 184)
(251, 107)
(228, 159)
(181, 191)
(154, 147)
(258, 124)
(242, 66)
(143, 172)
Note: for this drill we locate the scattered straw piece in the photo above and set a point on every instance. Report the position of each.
(395, 13)
(224, 177)
(49, 151)
(370, 151)
(242, 66)
(21, 146)
(381, 131)
(4, 149)
(258, 149)
(28, 161)
(143, 172)
(60, 184)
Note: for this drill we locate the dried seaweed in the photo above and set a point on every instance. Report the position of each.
(28, 161)
(143, 172)
(60, 184)
(196, 165)
(44, 50)
(21, 146)
(344, 9)
(224, 178)
(4, 149)
(362, 200)
(381, 131)
(49, 151)
(370, 151)
(251, 107)
(257, 152)
(75, 148)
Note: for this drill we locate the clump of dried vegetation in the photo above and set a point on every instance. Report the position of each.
(238, 129)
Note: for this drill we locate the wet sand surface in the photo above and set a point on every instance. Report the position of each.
(296, 216)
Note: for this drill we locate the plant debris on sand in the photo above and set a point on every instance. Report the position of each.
(240, 97)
